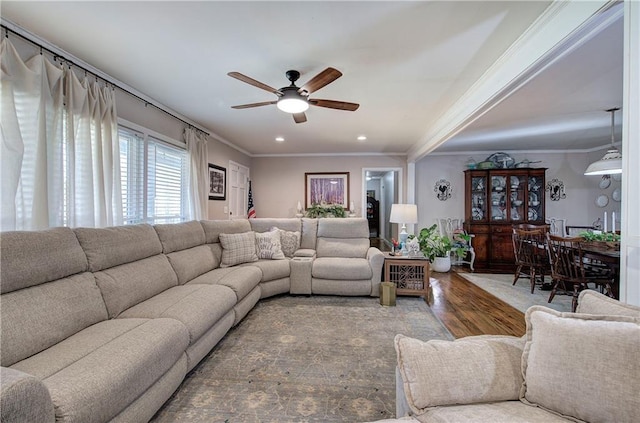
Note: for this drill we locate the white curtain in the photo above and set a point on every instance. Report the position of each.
(198, 173)
(60, 164)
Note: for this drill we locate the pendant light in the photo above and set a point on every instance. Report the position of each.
(611, 163)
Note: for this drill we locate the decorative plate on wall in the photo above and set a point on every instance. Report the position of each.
(602, 200)
(616, 195)
(617, 177)
(605, 181)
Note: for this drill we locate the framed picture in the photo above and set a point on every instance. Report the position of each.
(327, 188)
(217, 182)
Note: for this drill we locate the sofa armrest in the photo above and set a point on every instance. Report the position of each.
(24, 398)
(376, 261)
(469, 370)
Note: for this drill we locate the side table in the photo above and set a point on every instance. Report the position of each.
(409, 274)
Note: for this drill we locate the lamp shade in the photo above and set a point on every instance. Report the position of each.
(611, 163)
(404, 213)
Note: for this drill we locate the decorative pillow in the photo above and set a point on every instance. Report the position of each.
(469, 370)
(268, 245)
(238, 248)
(582, 366)
(290, 241)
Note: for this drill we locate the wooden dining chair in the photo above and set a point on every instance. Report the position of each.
(568, 267)
(530, 254)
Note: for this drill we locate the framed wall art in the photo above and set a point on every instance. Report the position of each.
(327, 188)
(217, 182)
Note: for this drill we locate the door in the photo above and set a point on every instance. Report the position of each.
(238, 190)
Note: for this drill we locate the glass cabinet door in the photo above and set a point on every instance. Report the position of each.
(536, 198)
(498, 200)
(517, 193)
(478, 198)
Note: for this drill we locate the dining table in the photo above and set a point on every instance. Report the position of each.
(608, 256)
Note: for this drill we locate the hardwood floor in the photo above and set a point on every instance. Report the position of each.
(468, 310)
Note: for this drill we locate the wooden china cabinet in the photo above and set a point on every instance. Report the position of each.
(495, 200)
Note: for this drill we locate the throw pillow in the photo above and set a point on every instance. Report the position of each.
(238, 248)
(466, 371)
(289, 240)
(268, 245)
(582, 366)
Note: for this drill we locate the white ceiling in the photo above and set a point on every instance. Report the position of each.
(405, 63)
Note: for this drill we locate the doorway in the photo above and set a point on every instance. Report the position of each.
(383, 186)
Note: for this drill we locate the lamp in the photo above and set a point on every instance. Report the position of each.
(612, 161)
(403, 213)
(292, 101)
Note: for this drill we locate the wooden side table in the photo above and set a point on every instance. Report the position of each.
(409, 274)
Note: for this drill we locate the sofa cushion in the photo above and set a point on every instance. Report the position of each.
(265, 224)
(268, 245)
(193, 262)
(35, 318)
(108, 365)
(198, 307)
(309, 233)
(213, 228)
(108, 247)
(22, 253)
(272, 269)
(24, 398)
(581, 365)
(238, 248)
(180, 236)
(343, 247)
(593, 302)
(494, 412)
(242, 280)
(129, 284)
(468, 370)
(341, 268)
(343, 228)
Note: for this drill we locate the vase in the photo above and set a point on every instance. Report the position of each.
(441, 264)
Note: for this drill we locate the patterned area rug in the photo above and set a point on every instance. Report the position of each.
(304, 359)
(519, 295)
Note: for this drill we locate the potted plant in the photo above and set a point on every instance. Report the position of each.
(437, 248)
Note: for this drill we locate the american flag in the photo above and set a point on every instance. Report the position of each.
(251, 212)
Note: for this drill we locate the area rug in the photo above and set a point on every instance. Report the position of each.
(304, 359)
(519, 295)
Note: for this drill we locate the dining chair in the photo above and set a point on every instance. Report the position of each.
(557, 226)
(568, 267)
(529, 251)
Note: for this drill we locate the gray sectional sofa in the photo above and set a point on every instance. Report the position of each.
(103, 324)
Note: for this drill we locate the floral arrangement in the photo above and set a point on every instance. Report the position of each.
(319, 210)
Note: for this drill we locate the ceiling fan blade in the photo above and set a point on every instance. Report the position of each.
(251, 81)
(333, 104)
(325, 77)
(299, 117)
(246, 106)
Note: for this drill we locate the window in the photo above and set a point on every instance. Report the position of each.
(154, 178)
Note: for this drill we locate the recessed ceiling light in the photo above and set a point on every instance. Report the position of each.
(280, 139)
(362, 137)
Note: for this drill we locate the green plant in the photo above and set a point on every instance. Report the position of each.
(432, 244)
(604, 236)
(319, 210)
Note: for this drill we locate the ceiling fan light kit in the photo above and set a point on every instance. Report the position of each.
(611, 163)
(292, 102)
(295, 100)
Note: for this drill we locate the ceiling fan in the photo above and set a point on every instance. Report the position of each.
(295, 100)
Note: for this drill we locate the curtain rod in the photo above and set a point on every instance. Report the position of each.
(58, 53)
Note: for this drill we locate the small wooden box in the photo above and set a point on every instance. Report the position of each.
(387, 294)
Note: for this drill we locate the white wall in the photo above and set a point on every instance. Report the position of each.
(579, 207)
(279, 183)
